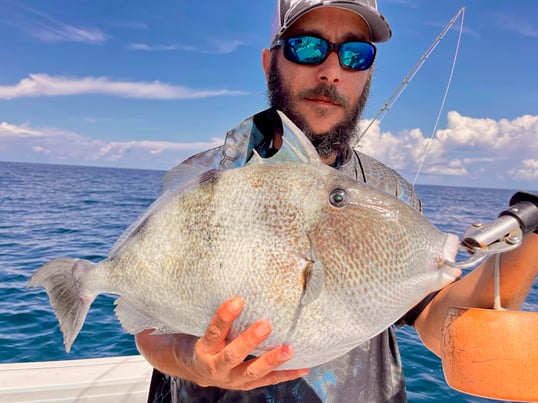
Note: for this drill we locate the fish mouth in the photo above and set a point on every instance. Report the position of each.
(448, 254)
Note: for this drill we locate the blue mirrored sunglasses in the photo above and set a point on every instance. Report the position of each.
(307, 49)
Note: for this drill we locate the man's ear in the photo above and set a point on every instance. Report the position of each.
(266, 62)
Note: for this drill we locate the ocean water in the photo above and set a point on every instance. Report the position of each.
(49, 211)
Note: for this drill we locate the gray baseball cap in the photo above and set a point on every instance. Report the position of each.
(289, 11)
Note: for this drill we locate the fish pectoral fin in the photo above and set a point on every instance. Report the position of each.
(314, 277)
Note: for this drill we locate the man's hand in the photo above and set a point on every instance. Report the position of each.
(212, 360)
(519, 270)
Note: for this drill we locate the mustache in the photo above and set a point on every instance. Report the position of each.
(325, 91)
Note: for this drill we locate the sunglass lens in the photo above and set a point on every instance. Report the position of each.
(306, 50)
(357, 55)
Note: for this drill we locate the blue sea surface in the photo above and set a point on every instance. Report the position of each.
(50, 211)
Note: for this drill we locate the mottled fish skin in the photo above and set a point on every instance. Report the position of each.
(329, 261)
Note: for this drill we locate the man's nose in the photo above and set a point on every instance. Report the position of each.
(330, 70)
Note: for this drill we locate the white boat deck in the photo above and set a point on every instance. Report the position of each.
(103, 380)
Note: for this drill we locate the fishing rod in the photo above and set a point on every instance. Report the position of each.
(380, 115)
(503, 234)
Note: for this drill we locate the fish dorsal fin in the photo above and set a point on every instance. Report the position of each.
(314, 277)
(257, 157)
(179, 183)
(181, 175)
(296, 147)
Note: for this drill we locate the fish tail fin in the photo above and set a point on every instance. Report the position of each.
(66, 283)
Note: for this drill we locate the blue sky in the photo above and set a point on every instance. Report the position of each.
(144, 84)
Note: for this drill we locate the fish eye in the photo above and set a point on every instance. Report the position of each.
(339, 198)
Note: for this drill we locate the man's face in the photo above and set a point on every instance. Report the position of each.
(324, 100)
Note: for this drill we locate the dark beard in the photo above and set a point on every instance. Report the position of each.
(338, 138)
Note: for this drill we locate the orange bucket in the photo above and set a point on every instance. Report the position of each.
(491, 353)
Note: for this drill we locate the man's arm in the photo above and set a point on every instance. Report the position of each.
(519, 269)
(213, 361)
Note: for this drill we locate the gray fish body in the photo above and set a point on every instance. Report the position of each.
(330, 262)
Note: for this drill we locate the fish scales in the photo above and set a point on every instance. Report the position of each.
(329, 261)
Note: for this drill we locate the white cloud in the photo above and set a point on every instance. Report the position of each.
(136, 25)
(490, 134)
(67, 33)
(45, 28)
(519, 24)
(22, 130)
(527, 171)
(37, 144)
(154, 48)
(39, 85)
(215, 47)
(478, 149)
(452, 168)
(220, 46)
(403, 151)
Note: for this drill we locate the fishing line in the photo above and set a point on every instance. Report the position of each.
(497, 283)
(380, 115)
(428, 144)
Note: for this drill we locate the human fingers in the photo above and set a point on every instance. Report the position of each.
(214, 338)
(261, 371)
(237, 350)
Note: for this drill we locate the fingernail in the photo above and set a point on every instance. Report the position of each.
(235, 306)
(263, 329)
(285, 354)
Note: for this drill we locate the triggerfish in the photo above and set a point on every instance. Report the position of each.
(329, 261)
